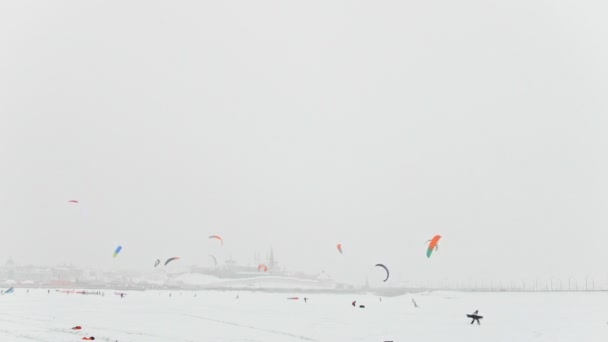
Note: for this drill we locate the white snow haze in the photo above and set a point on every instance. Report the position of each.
(300, 125)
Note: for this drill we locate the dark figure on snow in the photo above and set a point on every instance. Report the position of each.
(305, 299)
(475, 317)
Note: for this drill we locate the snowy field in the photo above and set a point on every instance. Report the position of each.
(219, 316)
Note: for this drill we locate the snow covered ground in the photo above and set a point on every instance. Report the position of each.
(219, 316)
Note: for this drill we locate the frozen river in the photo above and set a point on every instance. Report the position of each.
(219, 316)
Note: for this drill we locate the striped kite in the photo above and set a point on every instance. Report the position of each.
(433, 245)
(117, 250)
(171, 259)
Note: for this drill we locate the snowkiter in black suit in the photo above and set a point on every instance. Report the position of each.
(475, 317)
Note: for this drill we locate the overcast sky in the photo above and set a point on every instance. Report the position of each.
(300, 125)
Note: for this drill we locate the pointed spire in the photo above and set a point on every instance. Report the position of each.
(271, 262)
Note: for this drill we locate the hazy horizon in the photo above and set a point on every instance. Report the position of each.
(298, 126)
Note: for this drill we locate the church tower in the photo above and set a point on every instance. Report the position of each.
(272, 264)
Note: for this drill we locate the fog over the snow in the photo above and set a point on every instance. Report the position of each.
(300, 125)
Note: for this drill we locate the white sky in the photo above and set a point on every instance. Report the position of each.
(377, 124)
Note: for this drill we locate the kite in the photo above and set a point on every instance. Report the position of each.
(339, 246)
(433, 245)
(217, 237)
(386, 269)
(117, 250)
(171, 259)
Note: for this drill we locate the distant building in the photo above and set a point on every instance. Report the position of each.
(272, 264)
(30, 275)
